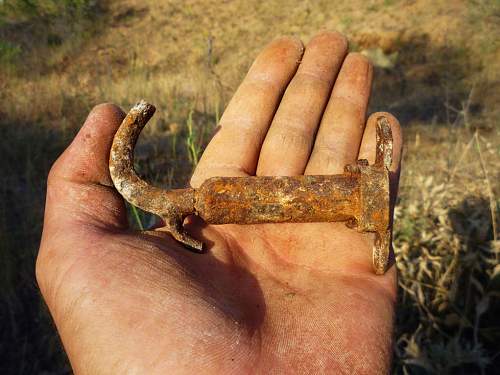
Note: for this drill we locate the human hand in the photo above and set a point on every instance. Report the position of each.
(268, 298)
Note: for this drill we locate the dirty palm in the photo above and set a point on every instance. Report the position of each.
(288, 297)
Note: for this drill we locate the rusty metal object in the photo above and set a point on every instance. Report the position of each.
(359, 196)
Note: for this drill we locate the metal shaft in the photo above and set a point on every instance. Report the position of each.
(299, 199)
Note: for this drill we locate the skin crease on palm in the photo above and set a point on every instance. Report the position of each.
(264, 299)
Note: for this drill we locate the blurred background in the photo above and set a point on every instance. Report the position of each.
(437, 68)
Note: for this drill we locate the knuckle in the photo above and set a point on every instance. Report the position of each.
(310, 78)
(260, 85)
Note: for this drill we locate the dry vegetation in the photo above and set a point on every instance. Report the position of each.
(437, 70)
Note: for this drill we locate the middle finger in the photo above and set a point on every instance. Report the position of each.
(289, 140)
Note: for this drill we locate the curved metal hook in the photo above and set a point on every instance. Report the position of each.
(172, 206)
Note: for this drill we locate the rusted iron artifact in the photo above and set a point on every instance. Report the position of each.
(359, 196)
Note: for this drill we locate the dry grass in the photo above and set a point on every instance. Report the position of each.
(429, 54)
(446, 254)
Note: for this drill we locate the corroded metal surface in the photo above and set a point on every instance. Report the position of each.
(298, 199)
(172, 206)
(359, 196)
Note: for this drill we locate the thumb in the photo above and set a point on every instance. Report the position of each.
(79, 186)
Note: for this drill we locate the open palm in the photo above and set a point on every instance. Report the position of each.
(269, 298)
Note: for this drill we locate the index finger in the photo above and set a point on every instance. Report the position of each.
(235, 148)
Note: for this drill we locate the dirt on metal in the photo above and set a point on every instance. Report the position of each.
(359, 196)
